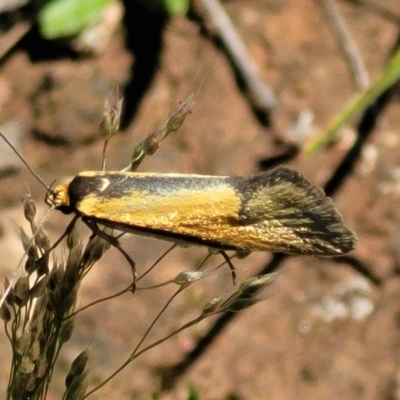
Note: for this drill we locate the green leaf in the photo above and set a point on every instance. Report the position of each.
(193, 394)
(176, 7)
(63, 18)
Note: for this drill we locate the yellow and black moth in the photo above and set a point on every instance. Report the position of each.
(278, 211)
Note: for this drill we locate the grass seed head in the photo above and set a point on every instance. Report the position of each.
(66, 331)
(21, 287)
(5, 313)
(29, 208)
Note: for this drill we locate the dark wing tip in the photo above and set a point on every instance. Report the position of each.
(338, 241)
(286, 197)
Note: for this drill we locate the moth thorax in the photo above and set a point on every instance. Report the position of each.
(58, 196)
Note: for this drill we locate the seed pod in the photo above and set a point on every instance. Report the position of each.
(212, 306)
(5, 313)
(29, 208)
(186, 277)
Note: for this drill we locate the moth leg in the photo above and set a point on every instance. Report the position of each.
(67, 231)
(231, 266)
(115, 243)
(43, 259)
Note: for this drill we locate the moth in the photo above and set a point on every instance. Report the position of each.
(279, 211)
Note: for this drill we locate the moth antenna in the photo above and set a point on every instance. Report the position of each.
(25, 162)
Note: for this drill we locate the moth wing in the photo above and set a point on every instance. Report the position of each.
(284, 199)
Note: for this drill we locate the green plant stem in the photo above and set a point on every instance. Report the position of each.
(359, 104)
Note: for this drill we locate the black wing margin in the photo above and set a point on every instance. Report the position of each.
(284, 197)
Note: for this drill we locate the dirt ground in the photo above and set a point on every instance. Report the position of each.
(327, 329)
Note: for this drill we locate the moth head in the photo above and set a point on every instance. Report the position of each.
(58, 197)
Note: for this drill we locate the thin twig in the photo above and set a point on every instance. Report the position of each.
(261, 94)
(378, 10)
(13, 36)
(347, 44)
